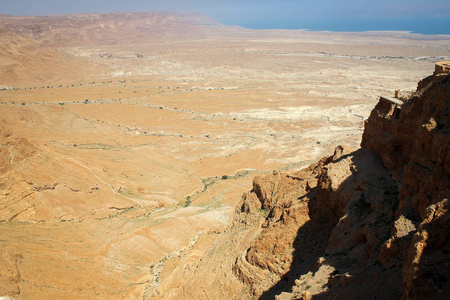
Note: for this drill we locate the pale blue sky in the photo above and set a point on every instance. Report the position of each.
(307, 14)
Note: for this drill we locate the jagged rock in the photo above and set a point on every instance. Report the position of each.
(415, 147)
(285, 198)
(426, 271)
(275, 190)
(382, 211)
(396, 247)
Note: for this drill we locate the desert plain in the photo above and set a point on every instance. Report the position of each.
(123, 158)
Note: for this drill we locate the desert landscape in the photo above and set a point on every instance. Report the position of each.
(128, 141)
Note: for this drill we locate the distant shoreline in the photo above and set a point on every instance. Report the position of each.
(424, 26)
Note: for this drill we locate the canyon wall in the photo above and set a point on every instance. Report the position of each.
(369, 223)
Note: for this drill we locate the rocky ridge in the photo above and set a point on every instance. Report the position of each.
(367, 223)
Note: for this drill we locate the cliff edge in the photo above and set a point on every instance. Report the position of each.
(371, 223)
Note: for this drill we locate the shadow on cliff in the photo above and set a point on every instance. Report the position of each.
(309, 245)
(359, 194)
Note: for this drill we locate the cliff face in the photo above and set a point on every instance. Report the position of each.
(416, 150)
(369, 223)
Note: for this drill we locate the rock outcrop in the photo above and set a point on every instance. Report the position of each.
(369, 223)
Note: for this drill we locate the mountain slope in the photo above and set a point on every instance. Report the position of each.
(113, 28)
(33, 48)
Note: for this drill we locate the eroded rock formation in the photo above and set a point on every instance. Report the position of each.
(369, 223)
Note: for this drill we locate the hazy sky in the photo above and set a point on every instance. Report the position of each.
(262, 13)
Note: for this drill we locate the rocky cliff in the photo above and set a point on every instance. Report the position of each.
(370, 223)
